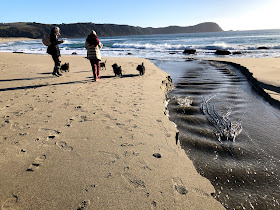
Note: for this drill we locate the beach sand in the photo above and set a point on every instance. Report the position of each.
(70, 143)
(265, 70)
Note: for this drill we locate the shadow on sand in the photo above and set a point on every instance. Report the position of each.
(270, 87)
(123, 76)
(42, 85)
(89, 79)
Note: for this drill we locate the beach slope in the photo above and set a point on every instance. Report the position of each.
(71, 143)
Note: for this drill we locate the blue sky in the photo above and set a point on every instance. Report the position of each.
(229, 14)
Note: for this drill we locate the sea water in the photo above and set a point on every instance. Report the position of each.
(208, 101)
(168, 46)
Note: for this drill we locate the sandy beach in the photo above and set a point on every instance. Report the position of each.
(71, 143)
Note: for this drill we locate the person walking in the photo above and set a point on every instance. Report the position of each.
(93, 46)
(54, 51)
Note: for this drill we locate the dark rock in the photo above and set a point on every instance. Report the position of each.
(190, 59)
(222, 52)
(157, 155)
(177, 137)
(129, 53)
(237, 53)
(172, 53)
(263, 48)
(189, 51)
(74, 53)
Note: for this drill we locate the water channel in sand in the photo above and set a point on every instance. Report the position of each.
(211, 101)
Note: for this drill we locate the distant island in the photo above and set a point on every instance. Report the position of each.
(78, 30)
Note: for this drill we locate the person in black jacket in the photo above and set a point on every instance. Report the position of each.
(54, 51)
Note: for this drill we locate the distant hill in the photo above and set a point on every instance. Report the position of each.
(78, 30)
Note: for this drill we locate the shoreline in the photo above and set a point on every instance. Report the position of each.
(12, 39)
(69, 142)
(262, 73)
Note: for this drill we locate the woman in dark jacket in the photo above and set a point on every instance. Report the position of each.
(54, 51)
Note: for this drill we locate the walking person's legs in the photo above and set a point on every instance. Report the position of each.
(94, 69)
(56, 65)
(98, 69)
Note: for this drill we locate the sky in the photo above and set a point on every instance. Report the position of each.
(228, 14)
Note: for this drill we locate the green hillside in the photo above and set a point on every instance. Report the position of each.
(77, 30)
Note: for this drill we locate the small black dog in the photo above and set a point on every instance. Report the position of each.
(141, 69)
(65, 67)
(103, 65)
(117, 70)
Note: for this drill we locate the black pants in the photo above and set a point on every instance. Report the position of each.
(56, 61)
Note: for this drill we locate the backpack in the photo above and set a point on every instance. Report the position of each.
(46, 40)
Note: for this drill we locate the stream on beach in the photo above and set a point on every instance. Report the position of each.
(229, 132)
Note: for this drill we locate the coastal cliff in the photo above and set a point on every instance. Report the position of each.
(77, 30)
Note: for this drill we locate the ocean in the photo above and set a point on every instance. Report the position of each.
(168, 46)
(226, 128)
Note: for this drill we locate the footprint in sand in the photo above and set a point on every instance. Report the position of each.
(49, 130)
(137, 183)
(36, 163)
(154, 204)
(130, 153)
(109, 158)
(126, 145)
(179, 186)
(84, 119)
(201, 192)
(22, 151)
(10, 203)
(83, 205)
(63, 145)
(69, 122)
(90, 187)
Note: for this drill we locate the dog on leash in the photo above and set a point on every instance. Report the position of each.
(141, 69)
(65, 67)
(117, 70)
(103, 65)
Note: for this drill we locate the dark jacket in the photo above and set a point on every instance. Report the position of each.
(53, 49)
(92, 40)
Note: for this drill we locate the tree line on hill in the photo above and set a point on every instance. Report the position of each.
(78, 30)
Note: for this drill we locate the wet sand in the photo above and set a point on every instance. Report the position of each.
(229, 131)
(71, 143)
(265, 70)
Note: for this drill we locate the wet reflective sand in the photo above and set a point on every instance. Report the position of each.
(229, 131)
